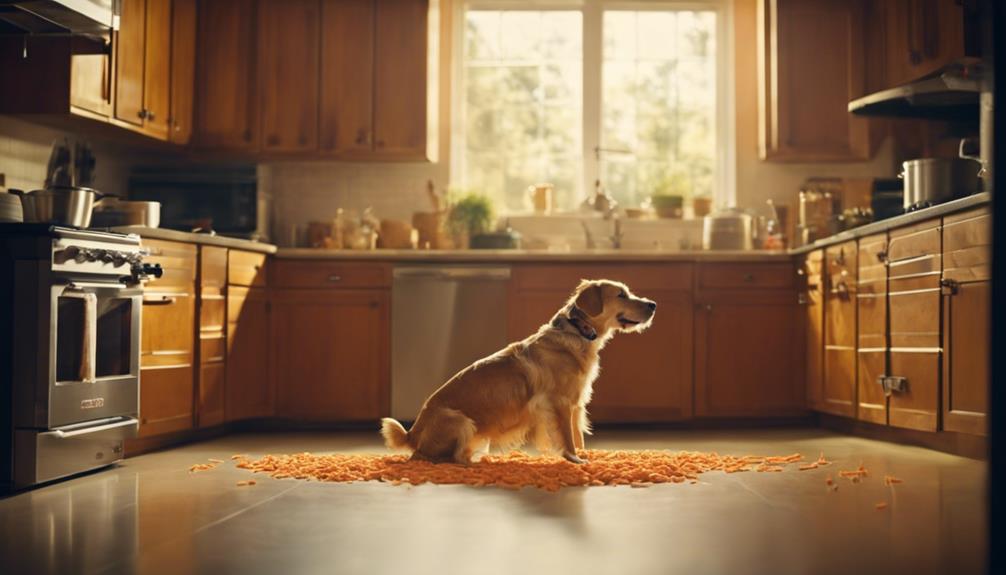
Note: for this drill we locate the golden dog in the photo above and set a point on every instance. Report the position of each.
(537, 388)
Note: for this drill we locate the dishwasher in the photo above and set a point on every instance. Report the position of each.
(443, 318)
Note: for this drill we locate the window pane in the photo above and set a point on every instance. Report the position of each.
(658, 102)
(523, 105)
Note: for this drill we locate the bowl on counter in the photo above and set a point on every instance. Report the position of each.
(668, 206)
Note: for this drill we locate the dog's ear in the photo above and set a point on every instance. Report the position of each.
(590, 299)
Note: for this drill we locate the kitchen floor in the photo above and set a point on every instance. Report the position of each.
(150, 515)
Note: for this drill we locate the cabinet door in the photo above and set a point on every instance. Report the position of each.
(745, 365)
(226, 114)
(966, 376)
(813, 301)
(806, 89)
(129, 60)
(914, 308)
(91, 83)
(400, 78)
(165, 400)
(288, 74)
(212, 385)
(332, 354)
(347, 76)
(922, 36)
(157, 69)
(839, 395)
(249, 386)
(871, 329)
(183, 69)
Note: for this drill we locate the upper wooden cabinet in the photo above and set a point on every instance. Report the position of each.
(143, 66)
(373, 78)
(226, 86)
(924, 35)
(289, 74)
(812, 62)
(183, 70)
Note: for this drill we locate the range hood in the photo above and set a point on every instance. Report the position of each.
(950, 93)
(59, 17)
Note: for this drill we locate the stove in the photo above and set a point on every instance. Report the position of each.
(69, 349)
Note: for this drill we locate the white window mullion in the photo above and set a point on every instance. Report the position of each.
(592, 54)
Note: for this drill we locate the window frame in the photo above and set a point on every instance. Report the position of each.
(724, 176)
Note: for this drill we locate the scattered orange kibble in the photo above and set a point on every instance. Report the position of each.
(239, 456)
(881, 505)
(829, 481)
(891, 480)
(808, 467)
(216, 460)
(821, 460)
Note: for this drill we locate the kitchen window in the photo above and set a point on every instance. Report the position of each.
(634, 94)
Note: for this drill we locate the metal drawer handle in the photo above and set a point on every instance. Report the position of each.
(948, 287)
(841, 289)
(162, 298)
(91, 429)
(892, 383)
(335, 278)
(749, 278)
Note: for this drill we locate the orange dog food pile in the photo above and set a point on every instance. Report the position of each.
(517, 469)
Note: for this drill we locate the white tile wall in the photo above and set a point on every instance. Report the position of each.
(24, 155)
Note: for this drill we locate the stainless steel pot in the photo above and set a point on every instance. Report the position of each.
(111, 211)
(68, 206)
(730, 229)
(931, 181)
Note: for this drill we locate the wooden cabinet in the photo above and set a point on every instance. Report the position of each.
(924, 35)
(644, 377)
(400, 78)
(347, 51)
(91, 84)
(374, 75)
(839, 390)
(212, 321)
(226, 110)
(871, 329)
(813, 63)
(914, 330)
(143, 66)
(250, 393)
(183, 70)
(289, 74)
(966, 321)
(744, 360)
(812, 298)
(167, 348)
(332, 353)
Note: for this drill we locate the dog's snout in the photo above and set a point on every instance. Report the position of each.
(652, 305)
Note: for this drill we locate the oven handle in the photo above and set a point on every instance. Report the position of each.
(81, 431)
(162, 298)
(95, 285)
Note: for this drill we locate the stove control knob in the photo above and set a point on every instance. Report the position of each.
(96, 255)
(108, 256)
(119, 258)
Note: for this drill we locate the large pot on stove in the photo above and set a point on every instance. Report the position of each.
(62, 205)
(931, 181)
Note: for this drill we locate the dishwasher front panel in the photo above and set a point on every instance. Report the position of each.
(443, 318)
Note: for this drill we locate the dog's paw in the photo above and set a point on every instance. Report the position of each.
(574, 458)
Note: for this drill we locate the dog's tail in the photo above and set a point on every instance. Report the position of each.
(395, 436)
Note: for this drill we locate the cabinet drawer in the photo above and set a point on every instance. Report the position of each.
(212, 313)
(746, 276)
(840, 270)
(915, 319)
(212, 349)
(325, 274)
(639, 278)
(246, 268)
(178, 263)
(166, 402)
(212, 268)
(871, 262)
(914, 241)
(167, 334)
(967, 246)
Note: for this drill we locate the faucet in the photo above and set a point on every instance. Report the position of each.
(615, 238)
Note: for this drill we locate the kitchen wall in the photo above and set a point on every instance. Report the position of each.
(313, 191)
(24, 155)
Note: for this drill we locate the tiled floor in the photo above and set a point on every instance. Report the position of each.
(150, 515)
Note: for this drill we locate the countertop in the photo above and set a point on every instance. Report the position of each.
(192, 238)
(910, 218)
(561, 256)
(531, 255)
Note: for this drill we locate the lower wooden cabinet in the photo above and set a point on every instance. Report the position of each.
(165, 399)
(744, 360)
(839, 275)
(871, 329)
(332, 353)
(250, 393)
(812, 298)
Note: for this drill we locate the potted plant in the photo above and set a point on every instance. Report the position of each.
(470, 215)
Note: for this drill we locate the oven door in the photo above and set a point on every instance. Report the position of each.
(94, 352)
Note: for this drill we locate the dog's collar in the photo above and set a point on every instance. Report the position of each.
(585, 330)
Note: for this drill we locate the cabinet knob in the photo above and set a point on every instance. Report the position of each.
(334, 278)
(150, 115)
(142, 114)
(748, 278)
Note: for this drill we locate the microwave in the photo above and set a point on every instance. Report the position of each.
(223, 199)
